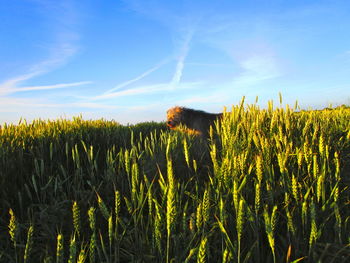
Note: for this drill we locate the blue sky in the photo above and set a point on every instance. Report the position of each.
(132, 60)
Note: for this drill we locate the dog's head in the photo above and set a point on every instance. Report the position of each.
(174, 117)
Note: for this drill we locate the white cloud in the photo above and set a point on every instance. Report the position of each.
(215, 98)
(60, 50)
(60, 54)
(91, 105)
(146, 89)
(181, 58)
(10, 84)
(8, 104)
(256, 69)
(22, 104)
(10, 87)
(182, 24)
(129, 92)
(141, 76)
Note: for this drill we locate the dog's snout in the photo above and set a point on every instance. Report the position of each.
(170, 124)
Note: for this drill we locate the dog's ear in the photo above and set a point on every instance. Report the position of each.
(178, 109)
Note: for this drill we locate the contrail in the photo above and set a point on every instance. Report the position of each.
(181, 59)
(48, 87)
(133, 91)
(10, 87)
(141, 76)
(7, 86)
(61, 53)
(146, 89)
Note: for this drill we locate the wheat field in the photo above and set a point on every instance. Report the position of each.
(270, 185)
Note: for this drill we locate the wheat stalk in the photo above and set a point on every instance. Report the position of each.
(313, 231)
(110, 230)
(257, 197)
(199, 214)
(186, 153)
(117, 204)
(82, 256)
(239, 225)
(103, 208)
(59, 249)
(295, 188)
(259, 168)
(92, 247)
(29, 244)
(76, 217)
(170, 204)
(92, 218)
(72, 250)
(158, 223)
(13, 228)
(203, 251)
(205, 206)
(270, 224)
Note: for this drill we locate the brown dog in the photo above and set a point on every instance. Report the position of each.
(197, 122)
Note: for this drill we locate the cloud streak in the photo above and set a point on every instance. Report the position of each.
(14, 104)
(183, 25)
(12, 83)
(28, 105)
(141, 76)
(7, 88)
(181, 59)
(60, 54)
(146, 89)
(62, 49)
(118, 91)
(256, 69)
(215, 98)
(176, 78)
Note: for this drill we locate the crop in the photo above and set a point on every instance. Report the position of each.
(269, 185)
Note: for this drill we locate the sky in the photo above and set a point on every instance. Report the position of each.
(132, 60)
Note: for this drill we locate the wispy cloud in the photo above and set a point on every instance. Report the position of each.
(134, 91)
(9, 87)
(215, 98)
(181, 23)
(60, 53)
(257, 68)
(181, 58)
(60, 50)
(12, 83)
(36, 106)
(145, 89)
(141, 76)
(119, 90)
(15, 104)
(92, 105)
(200, 64)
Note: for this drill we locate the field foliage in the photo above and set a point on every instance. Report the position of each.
(269, 185)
